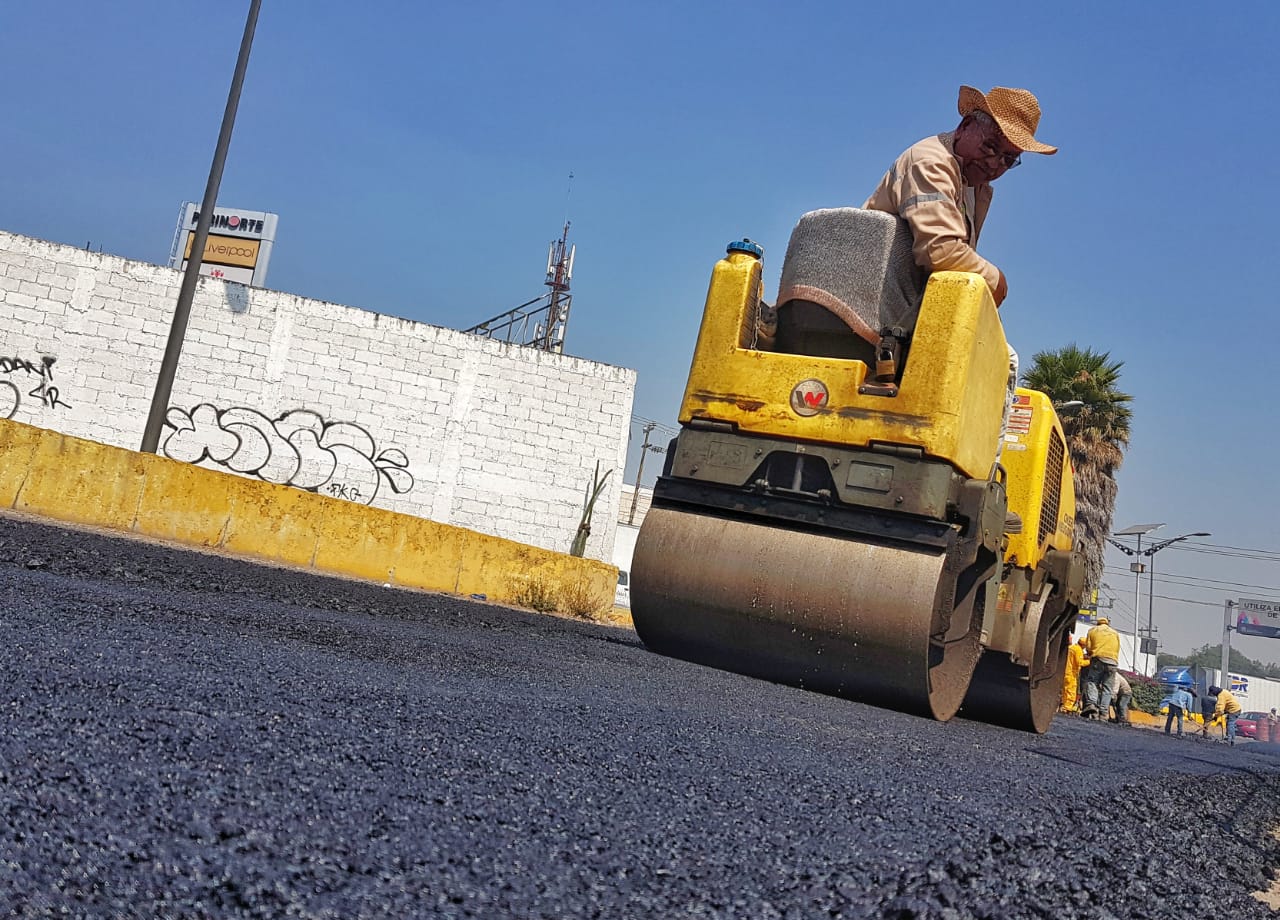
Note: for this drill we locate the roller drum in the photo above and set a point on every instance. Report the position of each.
(812, 609)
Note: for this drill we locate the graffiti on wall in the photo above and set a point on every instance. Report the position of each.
(298, 448)
(44, 391)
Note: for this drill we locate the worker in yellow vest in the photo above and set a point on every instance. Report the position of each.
(1077, 658)
(1103, 645)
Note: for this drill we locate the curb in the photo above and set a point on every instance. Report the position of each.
(56, 476)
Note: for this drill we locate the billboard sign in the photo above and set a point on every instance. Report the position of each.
(226, 250)
(1258, 618)
(238, 248)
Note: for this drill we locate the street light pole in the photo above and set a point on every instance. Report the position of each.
(1138, 530)
(182, 312)
(1151, 584)
(1224, 676)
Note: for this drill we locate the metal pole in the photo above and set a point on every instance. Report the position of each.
(1224, 676)
(1151, 584)
(182, 312)
(1137, 604)
(1151, 603)
(635, 493)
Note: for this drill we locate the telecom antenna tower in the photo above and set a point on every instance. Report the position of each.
(541, 322)
(559, 273)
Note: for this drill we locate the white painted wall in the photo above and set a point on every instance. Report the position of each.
(414, 418)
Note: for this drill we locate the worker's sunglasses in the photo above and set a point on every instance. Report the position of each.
(1010, 160)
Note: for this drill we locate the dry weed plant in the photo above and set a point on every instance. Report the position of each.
(535, 593)
(577, 599)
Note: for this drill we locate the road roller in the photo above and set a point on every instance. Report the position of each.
(853, 505)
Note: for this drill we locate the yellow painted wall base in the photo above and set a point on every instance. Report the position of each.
(69, 479)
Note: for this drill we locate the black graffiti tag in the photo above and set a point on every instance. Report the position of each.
(45, 391)
(342, 490)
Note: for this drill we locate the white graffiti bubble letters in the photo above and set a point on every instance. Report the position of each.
(298, 448)
(9, 399)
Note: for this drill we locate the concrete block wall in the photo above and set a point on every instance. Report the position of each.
(333, 399)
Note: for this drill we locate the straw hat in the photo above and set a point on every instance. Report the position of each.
(1016, 111)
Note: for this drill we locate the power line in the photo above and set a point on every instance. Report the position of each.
(1189, 544)
(1187, 600)
(1230, 552)
(1126, 609)
(1195, 581)
(641, 420)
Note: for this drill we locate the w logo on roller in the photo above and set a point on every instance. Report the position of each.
(808, 397)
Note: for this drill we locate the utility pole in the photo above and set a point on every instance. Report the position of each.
(1224, 676)
(182, 312)
(644, 448)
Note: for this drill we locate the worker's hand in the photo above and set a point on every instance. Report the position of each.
(1001, 291)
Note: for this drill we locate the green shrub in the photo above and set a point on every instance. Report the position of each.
(1147, 693)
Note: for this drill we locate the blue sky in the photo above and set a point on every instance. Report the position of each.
(418, 155)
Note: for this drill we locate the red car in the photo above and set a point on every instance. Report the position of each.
(1247, 724)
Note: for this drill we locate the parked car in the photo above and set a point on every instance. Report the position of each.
(622, 593)
(1247, 723)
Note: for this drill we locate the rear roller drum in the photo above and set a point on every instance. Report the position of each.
(1008, 694)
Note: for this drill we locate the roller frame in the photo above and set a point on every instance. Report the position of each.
(967, 547)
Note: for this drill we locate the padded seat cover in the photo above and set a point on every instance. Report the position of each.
(857, 264)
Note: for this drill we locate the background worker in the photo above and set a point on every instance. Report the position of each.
(1229, 707)
(1208, 703)
(1103, 645)
(941, 186)
(1077, 658)
(1179, 703)
(1122, 695)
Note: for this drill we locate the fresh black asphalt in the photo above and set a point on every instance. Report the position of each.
(191, 736)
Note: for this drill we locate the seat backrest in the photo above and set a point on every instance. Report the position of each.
(858, 265)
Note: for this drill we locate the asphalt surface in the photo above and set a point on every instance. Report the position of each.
(191, 736)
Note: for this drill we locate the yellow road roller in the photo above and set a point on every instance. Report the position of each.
(835, 513)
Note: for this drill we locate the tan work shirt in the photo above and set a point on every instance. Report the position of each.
(926, 189)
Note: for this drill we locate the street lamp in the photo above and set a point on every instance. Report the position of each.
(1139, 531)
(1151, 583)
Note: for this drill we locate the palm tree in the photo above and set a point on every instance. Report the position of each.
(1097, 435)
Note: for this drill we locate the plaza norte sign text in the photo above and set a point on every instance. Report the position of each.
(239, 246)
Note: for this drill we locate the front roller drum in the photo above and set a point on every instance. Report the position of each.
(816, 610)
